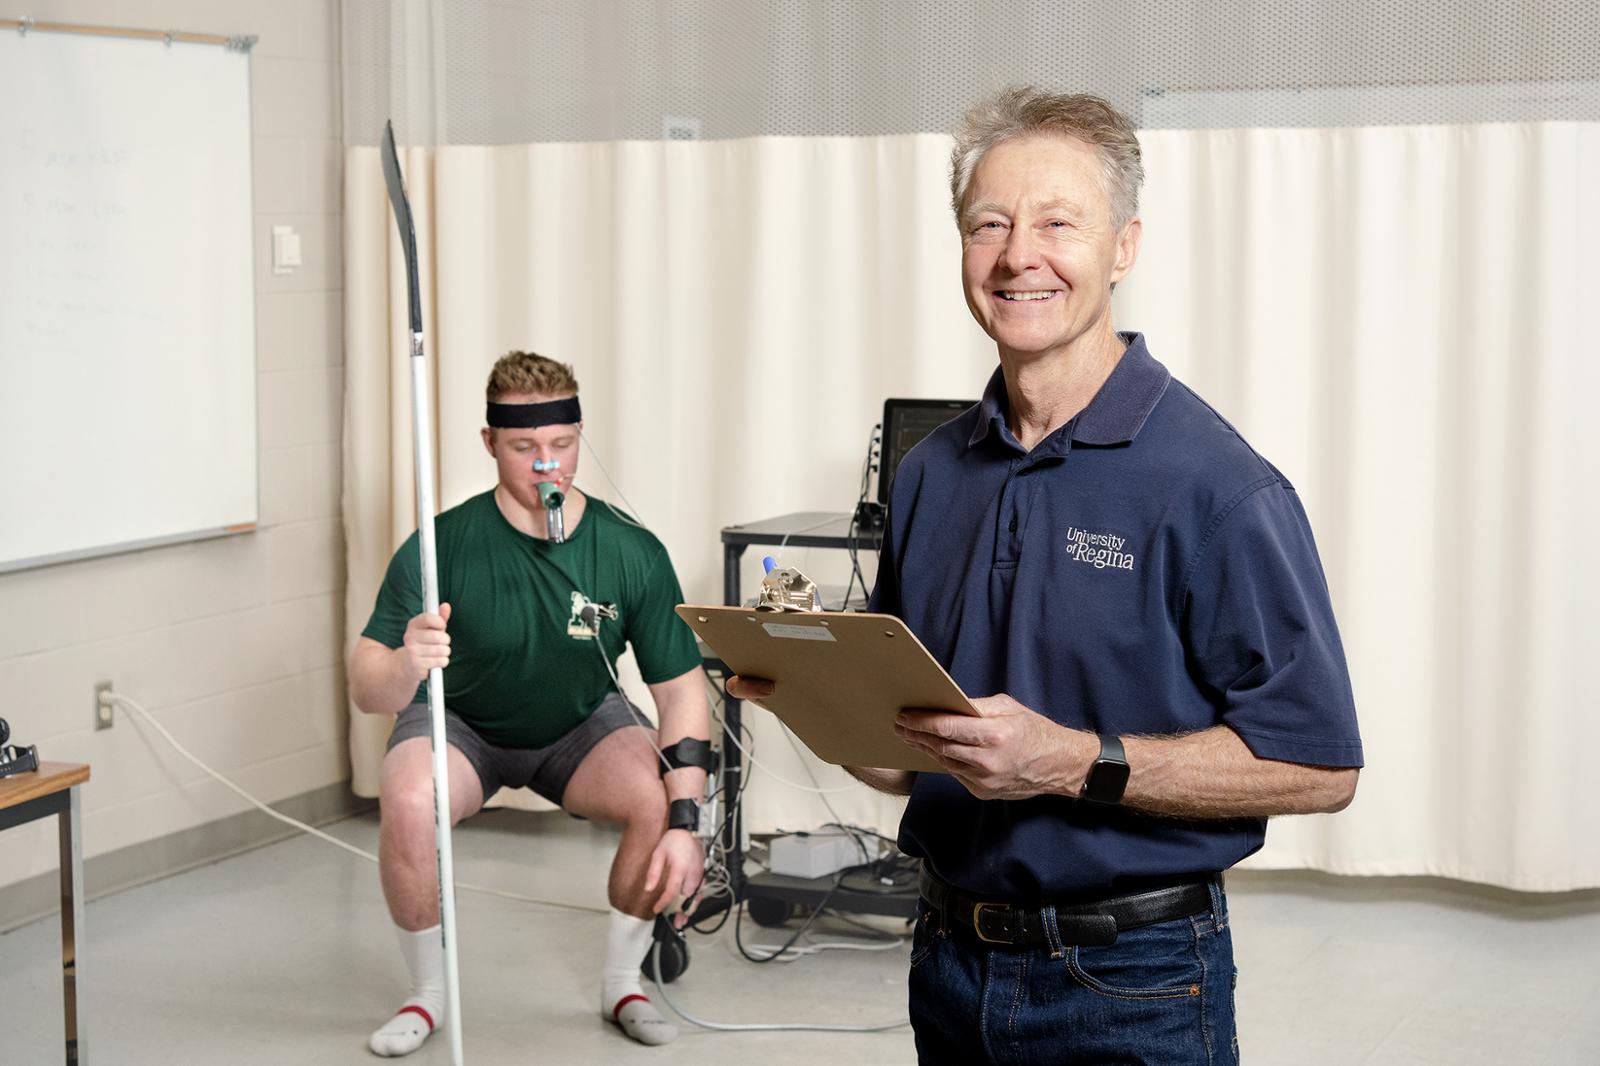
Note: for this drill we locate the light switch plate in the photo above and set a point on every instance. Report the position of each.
(285, 249)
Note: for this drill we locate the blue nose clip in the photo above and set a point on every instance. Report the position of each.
(543, 466)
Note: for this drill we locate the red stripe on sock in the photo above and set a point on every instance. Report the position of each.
(616, 1012)
(414, 1009)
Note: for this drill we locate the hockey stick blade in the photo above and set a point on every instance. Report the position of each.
(402, 218)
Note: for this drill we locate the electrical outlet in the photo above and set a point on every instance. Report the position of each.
(103, 707)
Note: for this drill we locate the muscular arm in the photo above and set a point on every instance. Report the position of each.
(383, 679)
(1213, 774)
(682, 711)
(1007, 751)
(380, 680)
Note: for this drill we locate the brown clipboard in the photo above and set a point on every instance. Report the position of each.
(841, 677)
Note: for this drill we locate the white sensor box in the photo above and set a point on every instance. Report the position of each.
(815, 854)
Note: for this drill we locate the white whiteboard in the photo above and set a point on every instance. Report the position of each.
(127, 326)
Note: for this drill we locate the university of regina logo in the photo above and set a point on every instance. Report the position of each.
(1098, 550)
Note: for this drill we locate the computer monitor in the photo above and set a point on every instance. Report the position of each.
(905, 422)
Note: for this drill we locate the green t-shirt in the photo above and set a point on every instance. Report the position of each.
(524, 667)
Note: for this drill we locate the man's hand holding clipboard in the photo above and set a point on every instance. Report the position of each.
(1004, 751)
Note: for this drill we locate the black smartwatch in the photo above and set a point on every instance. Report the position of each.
(1108, 775)
(684, 814)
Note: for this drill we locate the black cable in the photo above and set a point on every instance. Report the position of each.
(744, 773)
(815, 911)
(722, 920)
(852, 536)
(853, 829)
(870, 879)
(731, 809)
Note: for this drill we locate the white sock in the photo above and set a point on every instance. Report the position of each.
(622, 1001)
(423, 1010)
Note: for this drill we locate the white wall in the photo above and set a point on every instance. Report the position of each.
(233, 643)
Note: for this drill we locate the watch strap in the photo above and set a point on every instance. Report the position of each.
(1111, 749)
(1107, 778)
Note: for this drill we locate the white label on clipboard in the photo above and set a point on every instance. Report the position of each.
(778, 629)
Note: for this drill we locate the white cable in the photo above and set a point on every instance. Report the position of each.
(149, 719)
(751, 759)
(748, 1027)
(777, 556)
(595, 455)
(648, 726)
(796, 952)
(799, 751)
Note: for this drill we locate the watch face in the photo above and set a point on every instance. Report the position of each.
(1106, 782)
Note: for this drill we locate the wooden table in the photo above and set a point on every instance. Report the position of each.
(53, 789)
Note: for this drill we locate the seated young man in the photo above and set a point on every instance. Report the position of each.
(529, 631)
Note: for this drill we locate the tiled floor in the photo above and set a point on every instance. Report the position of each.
(285, 955)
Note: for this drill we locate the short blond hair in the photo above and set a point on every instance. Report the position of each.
(525, 373)
(1026, 110)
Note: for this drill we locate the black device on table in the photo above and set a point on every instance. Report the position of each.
(15, 759)
(905, 422)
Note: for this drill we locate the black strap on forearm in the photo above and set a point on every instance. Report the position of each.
(690, 751)
(683, 814)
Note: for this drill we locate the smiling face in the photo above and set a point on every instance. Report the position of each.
(1039, 253)
(516, 450)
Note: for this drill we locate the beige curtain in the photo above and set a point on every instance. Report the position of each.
(1399, 319)
(1391, 315)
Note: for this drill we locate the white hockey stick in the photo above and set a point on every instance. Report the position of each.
(430, 590)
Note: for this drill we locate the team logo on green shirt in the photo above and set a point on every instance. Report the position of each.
(584, 624)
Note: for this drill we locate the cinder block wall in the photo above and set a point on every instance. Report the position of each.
(233, 643)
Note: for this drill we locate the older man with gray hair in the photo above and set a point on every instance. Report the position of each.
(1133, 595)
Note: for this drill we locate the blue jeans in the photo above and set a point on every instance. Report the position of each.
(1162, 995)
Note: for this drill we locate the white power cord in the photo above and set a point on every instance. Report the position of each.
(756, 1027)
(799, 951)
(148, 719)
(753, 761)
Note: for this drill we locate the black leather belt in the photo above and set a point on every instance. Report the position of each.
(1007, 925)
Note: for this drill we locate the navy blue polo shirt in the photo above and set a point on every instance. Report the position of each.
(1141, 570)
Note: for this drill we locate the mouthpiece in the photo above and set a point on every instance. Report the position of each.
(555, 523)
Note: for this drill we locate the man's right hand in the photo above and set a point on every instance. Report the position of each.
(427, 645)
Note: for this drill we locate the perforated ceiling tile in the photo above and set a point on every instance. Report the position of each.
(515, 71)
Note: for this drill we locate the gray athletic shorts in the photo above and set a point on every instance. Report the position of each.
(545, 770)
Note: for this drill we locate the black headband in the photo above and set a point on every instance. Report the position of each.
(533, 415)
